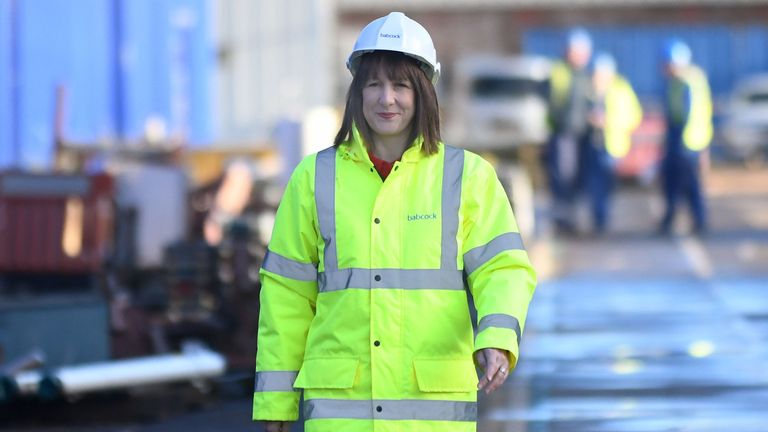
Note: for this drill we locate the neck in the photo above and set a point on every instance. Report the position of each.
(389, 148)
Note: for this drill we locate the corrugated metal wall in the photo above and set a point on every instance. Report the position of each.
(167, 60)
(276, 63)
(56, 45)
(727, 53)
(120, 61)
(6, 86)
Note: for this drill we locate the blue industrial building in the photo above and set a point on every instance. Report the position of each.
(119, 63)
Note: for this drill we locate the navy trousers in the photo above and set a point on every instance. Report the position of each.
(681, 178)
(600, 185)
(565, 160)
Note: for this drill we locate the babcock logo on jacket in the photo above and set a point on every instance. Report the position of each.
(419, 217)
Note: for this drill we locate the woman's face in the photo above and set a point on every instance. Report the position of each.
(388, 105)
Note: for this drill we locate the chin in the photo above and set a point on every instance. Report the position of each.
(387, 131)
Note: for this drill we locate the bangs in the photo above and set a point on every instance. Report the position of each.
(397, 66)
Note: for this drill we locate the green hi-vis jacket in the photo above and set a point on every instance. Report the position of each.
(363, 299)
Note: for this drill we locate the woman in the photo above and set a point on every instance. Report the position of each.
(363, 295)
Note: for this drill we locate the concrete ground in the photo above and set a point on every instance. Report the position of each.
(636, 332)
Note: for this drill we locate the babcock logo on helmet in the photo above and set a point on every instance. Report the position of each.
(388, 35)
(415, 217)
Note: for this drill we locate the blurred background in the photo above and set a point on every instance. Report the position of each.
(144, 145)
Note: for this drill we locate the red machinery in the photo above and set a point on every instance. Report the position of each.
(53, 223)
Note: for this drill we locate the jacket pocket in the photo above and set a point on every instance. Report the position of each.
(327, 373)
(443, 375)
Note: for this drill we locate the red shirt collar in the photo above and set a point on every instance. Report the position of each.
(383, 167)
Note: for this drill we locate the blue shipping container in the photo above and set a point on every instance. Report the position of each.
(7, 148)
(166, 67)
(120, 63)
(57, 46)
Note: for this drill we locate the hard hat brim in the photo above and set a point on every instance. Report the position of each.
(433, 73)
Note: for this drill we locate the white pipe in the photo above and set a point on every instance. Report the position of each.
(192, 364)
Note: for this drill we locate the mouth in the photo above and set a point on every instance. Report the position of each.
(386, 115)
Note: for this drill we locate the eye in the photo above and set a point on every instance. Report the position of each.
(372, 83)
(403, 84)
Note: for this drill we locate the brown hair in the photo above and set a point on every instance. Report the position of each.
(398, 66)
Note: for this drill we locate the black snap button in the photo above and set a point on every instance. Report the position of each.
(377, 278)
(377, 220)
(371, 169)
(376, 343)
(396, 168)
(379, 408)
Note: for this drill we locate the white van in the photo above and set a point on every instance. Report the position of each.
(498, 103)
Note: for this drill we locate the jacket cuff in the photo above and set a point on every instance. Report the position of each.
(276, 406)
(499, 338)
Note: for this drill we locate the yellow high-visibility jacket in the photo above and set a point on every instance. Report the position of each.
(698, 129)
(363, 298)
(623, 114)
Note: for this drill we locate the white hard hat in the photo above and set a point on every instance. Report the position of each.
(397, 32)
(677, 52)
(579, 37)
(605, 62)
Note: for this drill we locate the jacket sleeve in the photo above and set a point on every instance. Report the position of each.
(499, 273)
(288, 295)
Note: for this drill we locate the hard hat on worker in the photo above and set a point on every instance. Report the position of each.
(579, 37)
(396, 32)
(677, 52)
(605, 62)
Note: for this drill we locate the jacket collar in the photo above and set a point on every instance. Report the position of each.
(356, 150)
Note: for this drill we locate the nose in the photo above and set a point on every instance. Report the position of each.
(387, 96)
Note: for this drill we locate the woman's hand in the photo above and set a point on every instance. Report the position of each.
(495, 365)
(277, 426)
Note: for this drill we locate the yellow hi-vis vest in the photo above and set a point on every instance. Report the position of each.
(560, 78)
(698, 130)
(363, 298)
(623, 114)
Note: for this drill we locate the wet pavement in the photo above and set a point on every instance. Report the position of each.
(627, 332)
(636, 332)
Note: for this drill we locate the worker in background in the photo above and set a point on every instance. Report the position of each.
(615, 113)
(689, 131)
(570, 89)
(375, 244)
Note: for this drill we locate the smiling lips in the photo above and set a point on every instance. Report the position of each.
(386, 115)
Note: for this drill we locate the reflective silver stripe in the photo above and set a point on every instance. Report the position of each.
(390, 278)
(453, 167)
(325, 199)
(500, 321)
(337, 408)
(275, 381)
(289, 268)
(482, 254)
(418, 409)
